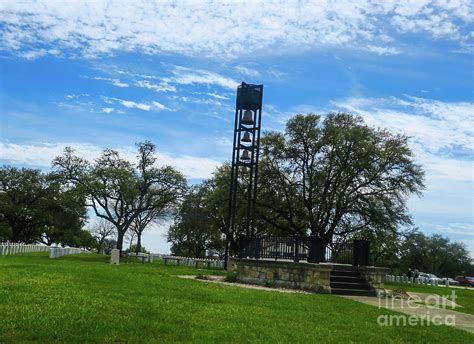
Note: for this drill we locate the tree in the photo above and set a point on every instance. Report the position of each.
(119, 191)
(143, 220)
(336, 176)
(215, 198)
(434, 254)
(108, 245)
(33, 207)
(193, 231)
(68, 218)
(101, 231)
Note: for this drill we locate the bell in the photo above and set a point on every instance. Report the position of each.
(245, 155)
(248, 117)
(246, 137)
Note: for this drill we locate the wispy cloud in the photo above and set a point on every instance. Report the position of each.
(253, 73)
(107, 110)
(42, 154)
(130, 104)
(442, 132)
(162, 87)
(189, 76)
(454, 228)
(113, 81)
(224, 29)
(383, 50)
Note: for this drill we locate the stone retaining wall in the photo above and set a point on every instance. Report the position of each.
(306, 276)
(374, 275)
(285, 274)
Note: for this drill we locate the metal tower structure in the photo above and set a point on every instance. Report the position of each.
(245, 154)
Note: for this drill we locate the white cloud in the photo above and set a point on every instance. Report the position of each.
(189, 76)
(77, 96)
(470, 246)
(133, 105)
(118, 83)
(205, 101)
(455, 228)
(223, 29)
(107, 110)
(438, 128)
(383, 50)
(41, 155)
(442, 139)
(253, 73)
(162, 87)
(130, 104)
(34, 54)
(115, 82)
(214, 95)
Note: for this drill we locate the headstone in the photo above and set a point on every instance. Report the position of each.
(115, 257)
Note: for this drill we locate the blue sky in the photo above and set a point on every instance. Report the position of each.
(108, 74)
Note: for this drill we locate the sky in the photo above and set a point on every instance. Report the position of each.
(96, 74)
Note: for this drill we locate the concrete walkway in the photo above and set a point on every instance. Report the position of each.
(445, 316)
(221, 280)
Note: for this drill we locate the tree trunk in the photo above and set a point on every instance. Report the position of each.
(16, 233)
(139, 242)
(120, 235)
(101, 243)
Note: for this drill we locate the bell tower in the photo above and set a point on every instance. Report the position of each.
(245, 155)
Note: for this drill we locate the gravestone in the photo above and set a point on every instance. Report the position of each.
(115, 257)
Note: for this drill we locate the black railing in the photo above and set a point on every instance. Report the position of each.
(311, 249)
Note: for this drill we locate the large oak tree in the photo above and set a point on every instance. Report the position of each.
(333, 176)
(35, 208)
(119, 191)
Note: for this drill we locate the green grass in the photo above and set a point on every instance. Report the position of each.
(464, 297)
(82, 298)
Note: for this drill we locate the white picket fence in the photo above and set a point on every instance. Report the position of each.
(54, 252)
(406, 279)
(14, 248)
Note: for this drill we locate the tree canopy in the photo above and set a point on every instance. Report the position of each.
(35, 208)
(195, 229)
(119, 191)
(334, 176)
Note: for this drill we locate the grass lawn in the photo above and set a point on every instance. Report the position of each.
(464, 297)
(83, 298)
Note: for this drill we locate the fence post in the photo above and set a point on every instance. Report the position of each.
(296, 243)
(316, 250)
(242, 247)
(361, 252)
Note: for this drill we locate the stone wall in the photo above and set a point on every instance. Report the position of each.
(374, 275)
(306, 276)
(284, 274)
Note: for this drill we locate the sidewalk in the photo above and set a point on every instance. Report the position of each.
(462, 320)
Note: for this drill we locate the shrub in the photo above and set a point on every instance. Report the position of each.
(231, 277)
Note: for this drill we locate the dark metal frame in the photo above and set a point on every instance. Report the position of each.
(249, 97)
(310, 249)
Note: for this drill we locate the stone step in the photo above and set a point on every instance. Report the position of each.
(348, 273)
(343, 267)
(356, 292)
(345, 285)
(348, 279)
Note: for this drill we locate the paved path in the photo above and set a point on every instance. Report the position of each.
(221, 280)
(462, 320)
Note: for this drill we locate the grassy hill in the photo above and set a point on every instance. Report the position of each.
(83, 298)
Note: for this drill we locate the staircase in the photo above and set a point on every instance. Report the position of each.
(345, 280)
